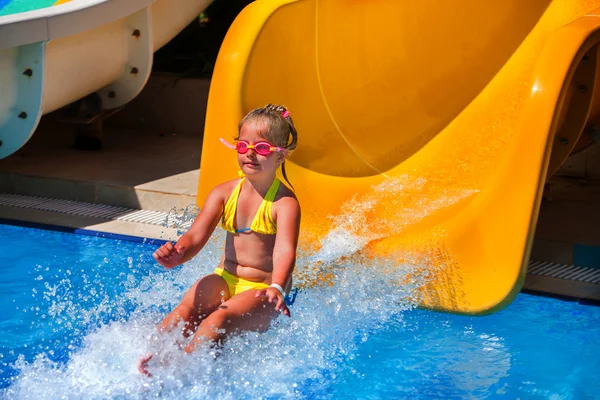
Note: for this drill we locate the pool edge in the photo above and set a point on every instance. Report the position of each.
(81, 231)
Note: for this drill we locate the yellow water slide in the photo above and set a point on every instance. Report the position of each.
(426, 128)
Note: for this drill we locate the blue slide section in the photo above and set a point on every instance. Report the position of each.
(3, 3)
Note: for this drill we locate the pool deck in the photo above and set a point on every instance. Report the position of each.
(567, 235)
(149, 161)
(160, 175)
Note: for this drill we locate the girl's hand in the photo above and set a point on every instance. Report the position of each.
(274, 296)
(168, 255)
(143, 365)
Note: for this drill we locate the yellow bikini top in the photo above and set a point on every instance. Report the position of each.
(263, 220)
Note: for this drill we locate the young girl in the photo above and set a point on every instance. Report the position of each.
(262, 219)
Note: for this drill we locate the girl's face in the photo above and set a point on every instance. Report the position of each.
(253, 163)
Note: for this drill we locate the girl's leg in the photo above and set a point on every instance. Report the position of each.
(199, 301)
(242, 312)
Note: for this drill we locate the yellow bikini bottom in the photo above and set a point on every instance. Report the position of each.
(238, 285)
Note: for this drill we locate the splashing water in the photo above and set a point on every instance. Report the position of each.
(107, 331)
(295, 357)
(181, 218)
(403, 201)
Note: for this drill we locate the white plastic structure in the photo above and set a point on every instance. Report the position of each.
(53, 56)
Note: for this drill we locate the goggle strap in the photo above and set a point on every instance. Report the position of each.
(226, 143)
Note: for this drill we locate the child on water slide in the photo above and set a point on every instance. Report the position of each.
(262, 220)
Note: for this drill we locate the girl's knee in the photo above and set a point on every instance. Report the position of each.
(219, 318)
(218, 323)
(180, 314)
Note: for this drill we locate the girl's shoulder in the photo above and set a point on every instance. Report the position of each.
(225, 189)
(286, 194)
(286, 200)
(286, 207)
(229, 185)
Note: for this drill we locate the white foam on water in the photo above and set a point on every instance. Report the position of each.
(358, 223)
(297, 357)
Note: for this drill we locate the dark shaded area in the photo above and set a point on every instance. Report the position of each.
(193, 52)
(574, 299)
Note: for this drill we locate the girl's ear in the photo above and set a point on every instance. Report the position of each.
(280, 159)
(281, 155)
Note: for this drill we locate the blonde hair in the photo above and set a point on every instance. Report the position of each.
(279, 128)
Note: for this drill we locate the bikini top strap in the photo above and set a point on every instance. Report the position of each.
(263, 220)
(231, 206)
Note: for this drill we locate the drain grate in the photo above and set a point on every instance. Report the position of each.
(564, 271)
(84, 209)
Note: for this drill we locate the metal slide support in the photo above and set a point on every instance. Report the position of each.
(139, 62)
(21, 86)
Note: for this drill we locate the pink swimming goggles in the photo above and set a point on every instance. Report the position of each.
(262, 148)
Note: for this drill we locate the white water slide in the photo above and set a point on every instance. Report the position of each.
(56, 52)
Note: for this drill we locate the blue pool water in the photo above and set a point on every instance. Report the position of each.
(77, 312)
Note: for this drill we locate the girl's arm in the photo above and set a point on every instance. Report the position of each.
(196, 237)
(284, 251)
(286, 241)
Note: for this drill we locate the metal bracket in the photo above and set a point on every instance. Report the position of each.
(21, 91)
(139, 63)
